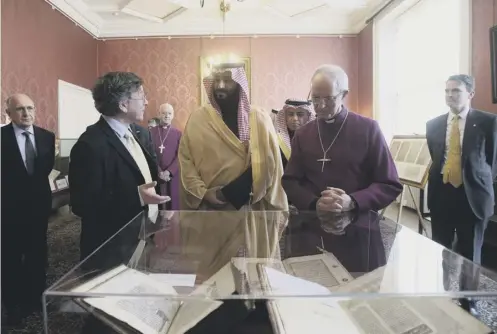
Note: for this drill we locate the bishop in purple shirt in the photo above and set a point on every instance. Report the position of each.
(340, 161)
(166, 140)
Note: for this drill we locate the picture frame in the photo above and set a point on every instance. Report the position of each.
(412, 159)
(493, 62)
(204, 71)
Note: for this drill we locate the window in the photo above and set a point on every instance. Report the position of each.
(418, 45)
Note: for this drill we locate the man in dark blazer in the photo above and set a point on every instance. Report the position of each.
(112, 176)
(28, 154)
(463, 148)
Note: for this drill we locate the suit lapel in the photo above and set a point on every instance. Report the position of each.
(40, 147)
(441, 137)
(470, 133)
(11, 142)
(118, 145)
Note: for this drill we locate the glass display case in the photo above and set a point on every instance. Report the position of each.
(271, 272)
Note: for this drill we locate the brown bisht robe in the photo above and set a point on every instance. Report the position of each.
(211, 155)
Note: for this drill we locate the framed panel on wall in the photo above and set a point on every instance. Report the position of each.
(493, 62)
(205, 66)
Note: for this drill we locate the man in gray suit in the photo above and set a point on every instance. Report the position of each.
(463, 148)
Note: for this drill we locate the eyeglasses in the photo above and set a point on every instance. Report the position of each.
(325, 99)
(142, 98)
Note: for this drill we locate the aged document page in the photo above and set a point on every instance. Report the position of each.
(149, 314)
(300, 314)
(323, 269)
(405, 315)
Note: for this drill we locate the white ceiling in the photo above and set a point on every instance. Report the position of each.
(107, 19)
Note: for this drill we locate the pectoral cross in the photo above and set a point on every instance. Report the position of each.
(323, 161)
(161, 148)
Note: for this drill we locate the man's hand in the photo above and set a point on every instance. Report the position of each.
(150, 196)
(334, 200)
(165, 175)
(213, 198)
(293, 210)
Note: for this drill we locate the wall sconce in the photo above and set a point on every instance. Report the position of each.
(225, 6)
(221, 59)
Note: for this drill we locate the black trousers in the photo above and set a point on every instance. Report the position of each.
(24, 261)
(452, 216)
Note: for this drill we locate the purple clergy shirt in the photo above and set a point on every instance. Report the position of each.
(360, 163)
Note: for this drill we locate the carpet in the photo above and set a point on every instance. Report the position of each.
(63, 254)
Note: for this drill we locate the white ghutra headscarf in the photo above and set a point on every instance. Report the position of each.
(281, 124)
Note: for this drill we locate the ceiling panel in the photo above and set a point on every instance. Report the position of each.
(131, 18)
(152, 7)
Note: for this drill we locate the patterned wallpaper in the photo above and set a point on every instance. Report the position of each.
(40, 46)
(365, 69)
(281, 67)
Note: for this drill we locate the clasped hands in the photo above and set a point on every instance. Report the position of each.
(334, 200)
(165, 175)
(215, 198)
(332, 204)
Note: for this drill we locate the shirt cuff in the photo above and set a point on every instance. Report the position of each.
(314, 204)
(140, 196)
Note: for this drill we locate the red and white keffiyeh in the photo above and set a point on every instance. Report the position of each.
(239, 76)
(281, 125)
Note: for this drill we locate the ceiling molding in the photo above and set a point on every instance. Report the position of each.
(102, 20)
(78, 18)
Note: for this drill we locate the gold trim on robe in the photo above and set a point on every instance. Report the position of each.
(210, 156)
(284, 148)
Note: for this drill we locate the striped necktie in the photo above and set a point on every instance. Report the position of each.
(452, 170)
(137, 154)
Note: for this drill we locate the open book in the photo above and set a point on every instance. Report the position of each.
(140, 301)
(405, 315)
(323, 269)
(426, 315)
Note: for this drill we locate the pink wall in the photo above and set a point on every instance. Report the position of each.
(40, 46)
(484, 17)
(281, 67)
(365, 63)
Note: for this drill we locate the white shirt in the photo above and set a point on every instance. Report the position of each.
(119, 128)
(21, 139)
(461, 123)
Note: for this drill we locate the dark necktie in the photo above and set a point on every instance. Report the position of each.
(29, 150)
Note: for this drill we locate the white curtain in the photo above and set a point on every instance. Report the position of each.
(416, 49)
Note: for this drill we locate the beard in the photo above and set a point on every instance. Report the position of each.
(226, 99)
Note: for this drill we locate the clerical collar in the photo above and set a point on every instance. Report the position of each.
(338, 117)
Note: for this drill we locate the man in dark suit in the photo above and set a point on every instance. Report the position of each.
(28, 154)
(112, 176)
(463, 148)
